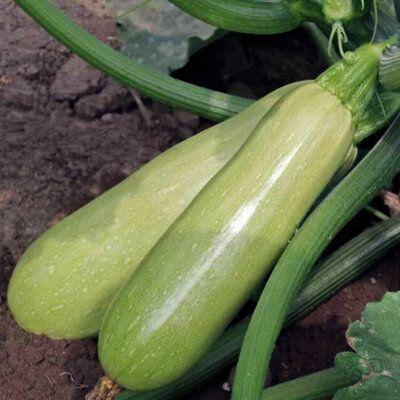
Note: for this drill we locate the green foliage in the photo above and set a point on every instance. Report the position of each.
(377, 359)
(158, 34)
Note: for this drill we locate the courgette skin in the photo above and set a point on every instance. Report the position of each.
(196, 278)
(66, 279)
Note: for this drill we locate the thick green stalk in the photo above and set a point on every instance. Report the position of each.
(261, 17)
(319, 386)
(356, 190)
(376, 213)
(267, 17)
(204, 102)
(271, 16)
(340, 268)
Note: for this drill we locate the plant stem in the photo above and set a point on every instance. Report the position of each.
(376, 213)
(334, 273)
(343, 266)
(359, 187)
(204, 102)
(268, 16)
(319, 386)
(257, 17)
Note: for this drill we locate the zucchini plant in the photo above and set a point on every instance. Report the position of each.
(238, 223)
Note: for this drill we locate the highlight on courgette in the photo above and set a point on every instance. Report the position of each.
(225, 242)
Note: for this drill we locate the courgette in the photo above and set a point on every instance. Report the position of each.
(202, 270)
(66, 279)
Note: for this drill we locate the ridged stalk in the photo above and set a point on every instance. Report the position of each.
(343, 266)
(331, 275)
(319, 386)
(271, 16)
(356, 190)
(261, 17)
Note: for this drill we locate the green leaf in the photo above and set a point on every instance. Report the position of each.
(159, 35)
(376, 341)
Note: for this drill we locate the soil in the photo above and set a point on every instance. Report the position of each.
(68, 133)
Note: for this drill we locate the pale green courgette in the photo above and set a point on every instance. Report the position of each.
(66, 279)
(192, 283)
(203, 269)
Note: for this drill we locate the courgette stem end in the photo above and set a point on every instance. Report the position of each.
(353, 79)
